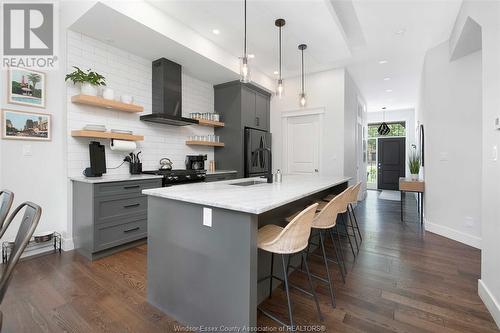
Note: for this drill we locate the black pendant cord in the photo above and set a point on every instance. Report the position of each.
(280, 52)
(245, 37)
(302, 71)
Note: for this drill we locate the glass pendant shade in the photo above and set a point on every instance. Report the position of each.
(302, 100)
(280, 89)
(244, 70)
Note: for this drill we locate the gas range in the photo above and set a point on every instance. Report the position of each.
(180, 176)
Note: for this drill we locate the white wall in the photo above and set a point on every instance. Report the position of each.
(352, 117)
(487, 14)
(324, 90)
(451, 111)
(128, 74)
(406, 115)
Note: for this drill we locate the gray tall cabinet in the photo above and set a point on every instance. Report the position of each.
(241, 105)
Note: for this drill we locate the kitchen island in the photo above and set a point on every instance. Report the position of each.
(203, 262)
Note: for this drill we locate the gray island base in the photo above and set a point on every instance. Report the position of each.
(203, 262)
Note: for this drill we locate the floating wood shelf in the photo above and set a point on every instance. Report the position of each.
(205, 143)
(106, 103)
(106, 135)
(211, 123)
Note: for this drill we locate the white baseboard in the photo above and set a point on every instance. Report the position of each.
(67, 244)
(490, 301)
(456, 235)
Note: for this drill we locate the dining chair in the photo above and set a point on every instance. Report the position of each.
(27, 227)
(6, 199)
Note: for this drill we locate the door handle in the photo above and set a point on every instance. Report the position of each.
(316, 170)
(130, 187)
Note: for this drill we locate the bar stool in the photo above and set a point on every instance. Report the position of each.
(353, 200)
(344, 211)
(287, 241)
(324, 222)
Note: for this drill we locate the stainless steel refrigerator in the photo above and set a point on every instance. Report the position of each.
(257, 156)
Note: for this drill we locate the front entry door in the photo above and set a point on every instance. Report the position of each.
(391, 162)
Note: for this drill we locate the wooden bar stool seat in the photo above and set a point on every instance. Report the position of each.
(287, 241)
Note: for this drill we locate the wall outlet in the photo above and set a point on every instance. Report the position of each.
(27, 150)
(443, 156)
(207, 217)
(469, 222)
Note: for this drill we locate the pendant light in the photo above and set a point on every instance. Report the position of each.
(279, 89)
(244, 69)
(383, 129)
(302, 100)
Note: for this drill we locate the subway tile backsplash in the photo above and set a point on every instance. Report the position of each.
(129, 74)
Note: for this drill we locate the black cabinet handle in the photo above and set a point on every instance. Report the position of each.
(132, 205)
(130, 187)
(130, 230)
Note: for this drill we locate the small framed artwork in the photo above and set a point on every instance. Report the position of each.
(21, 125)
(26, 87)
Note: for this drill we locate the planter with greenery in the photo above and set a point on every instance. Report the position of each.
(89, 81)
(414, 163)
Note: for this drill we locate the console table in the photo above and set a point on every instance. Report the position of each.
(415, 186)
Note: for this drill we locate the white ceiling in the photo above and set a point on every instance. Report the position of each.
(425, 24)
(308, 22)
(356, 34)
(112, 27)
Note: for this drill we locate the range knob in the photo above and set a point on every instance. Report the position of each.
(188, 176)
(169, 177)
(175, 177)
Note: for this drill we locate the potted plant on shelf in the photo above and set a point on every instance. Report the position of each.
(89, 81)
(414, 164)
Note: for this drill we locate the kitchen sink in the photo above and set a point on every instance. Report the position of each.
(249, 183)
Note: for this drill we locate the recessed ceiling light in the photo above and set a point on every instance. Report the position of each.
(216, 31)
(251, 56)
(383, 62)
(401, 32)
(387, 78)
(388, 90)
(276, 72)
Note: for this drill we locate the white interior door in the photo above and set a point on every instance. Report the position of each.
(302, 144)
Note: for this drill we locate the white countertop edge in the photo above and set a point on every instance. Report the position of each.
(242, 208)
(113, 178)
(219, 172)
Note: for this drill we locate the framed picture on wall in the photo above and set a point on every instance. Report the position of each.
(26, 87)
(21, 125)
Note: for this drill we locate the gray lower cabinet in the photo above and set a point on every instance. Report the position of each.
(108, 217)
(221, 176)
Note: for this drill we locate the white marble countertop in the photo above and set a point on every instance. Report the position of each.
(254, 199)
(113, 178)
(218, 172)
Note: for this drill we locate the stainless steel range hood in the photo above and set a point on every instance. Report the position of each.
(167, 95)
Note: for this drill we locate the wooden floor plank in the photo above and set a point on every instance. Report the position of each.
(403, 280)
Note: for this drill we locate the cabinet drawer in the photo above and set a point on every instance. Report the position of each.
(115, 207)
(111, 235)
(128, 187)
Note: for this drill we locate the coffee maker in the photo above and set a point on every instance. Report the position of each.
(195, 162)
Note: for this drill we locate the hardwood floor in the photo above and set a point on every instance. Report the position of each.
(402, 281)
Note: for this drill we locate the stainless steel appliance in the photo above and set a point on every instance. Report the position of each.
(195, 162)
(175, 177)
(166, 164)
(258, 159)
